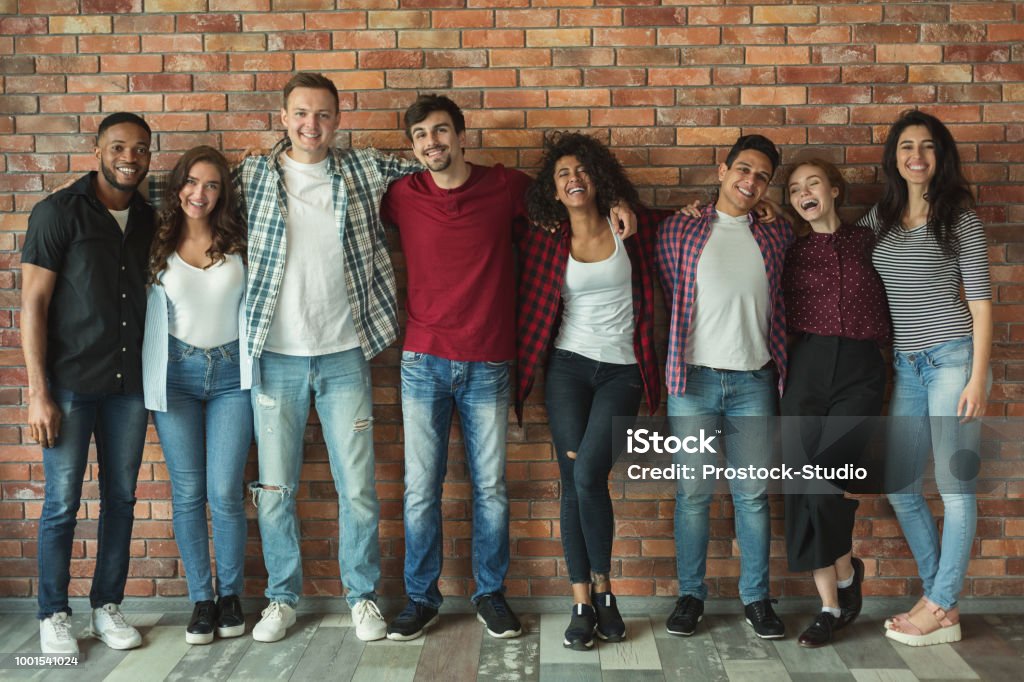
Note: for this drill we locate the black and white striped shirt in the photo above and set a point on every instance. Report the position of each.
(923, 284)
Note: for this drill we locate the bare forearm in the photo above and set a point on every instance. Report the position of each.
(981, 313)
(33, 343)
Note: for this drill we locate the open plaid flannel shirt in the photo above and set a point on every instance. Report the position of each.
(359, 179)
(681, 240)
(544, 257)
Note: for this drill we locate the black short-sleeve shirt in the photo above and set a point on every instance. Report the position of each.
(98, 310)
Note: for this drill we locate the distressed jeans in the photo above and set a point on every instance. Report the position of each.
(340, 386)
(431, 387)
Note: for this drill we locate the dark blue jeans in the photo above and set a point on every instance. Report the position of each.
(119, 425)
(583, 396)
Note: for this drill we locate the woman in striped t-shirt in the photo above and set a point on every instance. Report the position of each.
(930, 244)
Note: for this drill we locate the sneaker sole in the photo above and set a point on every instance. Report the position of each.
(268, 640)
(577, 645)
(508, 634)
(399, 637)
(778, 636)
(611, 638)
(372, 636)
(198, 637)
(680, 633)
(119, 646)
(231, 631)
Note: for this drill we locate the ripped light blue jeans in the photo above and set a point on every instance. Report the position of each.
(340, 386)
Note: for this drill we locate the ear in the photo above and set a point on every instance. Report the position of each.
(835, 192)
(722, 170)
(284, 115)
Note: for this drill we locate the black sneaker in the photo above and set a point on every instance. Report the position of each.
(850, 598)
(230, 619)
(762, 617)
(688, 612)
(579, 636)
(610, 627)
(494, 612)
(411, 622)
(200, 627)
(818, 633)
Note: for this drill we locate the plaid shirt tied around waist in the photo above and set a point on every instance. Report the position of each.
(544, 259)
(681, 240)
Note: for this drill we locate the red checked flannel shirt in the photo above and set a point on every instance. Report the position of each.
(544, 259)
(681, 240)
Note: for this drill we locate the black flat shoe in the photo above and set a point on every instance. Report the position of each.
(851, 599)
(818, 633)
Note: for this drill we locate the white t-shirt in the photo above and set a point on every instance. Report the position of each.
(732, 305)
(121, 217)
(312, 316)
(597, 317)
(202, 305)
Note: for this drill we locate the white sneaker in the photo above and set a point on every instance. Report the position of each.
(370, 625)
(55, 635)
(109, 625)
(274, 624)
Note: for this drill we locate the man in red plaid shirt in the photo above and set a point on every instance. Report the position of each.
(721, 273)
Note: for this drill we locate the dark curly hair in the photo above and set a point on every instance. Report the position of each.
(606, 173)
(225, 221)
(949, 193)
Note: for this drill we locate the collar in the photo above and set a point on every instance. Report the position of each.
(84, 187)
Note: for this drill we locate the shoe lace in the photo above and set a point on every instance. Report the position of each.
(764, 609)
(116, 617)
(61, 626)
(367, 609)
(272, 611)
(499, 604)
(687, 606)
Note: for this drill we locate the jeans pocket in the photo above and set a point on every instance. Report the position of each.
(959, 355)
(497, 365)
(410, 359)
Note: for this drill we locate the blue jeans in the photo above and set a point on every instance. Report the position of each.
(340, 384)
(431, 387)
(205, 433)
(928, 384)
(118, 422)
(583, 396)
(710, 395)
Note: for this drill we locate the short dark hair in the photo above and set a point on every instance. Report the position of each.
(119, 118)
(758, 143)
(425, 105)
(317, 81)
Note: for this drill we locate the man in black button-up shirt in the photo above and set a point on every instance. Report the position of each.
(83, 311)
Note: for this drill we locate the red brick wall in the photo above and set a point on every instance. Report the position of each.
(668, 84)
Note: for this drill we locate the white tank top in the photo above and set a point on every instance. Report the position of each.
(597, 317)
(202, 305)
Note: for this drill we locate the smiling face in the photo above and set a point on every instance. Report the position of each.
(311, 116)
(573, 186)
(123, 153)
(811, 194)
(201, 192)
(744, 183)
(435, 143)
(915, 155)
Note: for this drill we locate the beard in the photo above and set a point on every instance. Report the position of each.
(111, 177)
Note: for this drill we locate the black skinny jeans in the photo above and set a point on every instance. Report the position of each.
(583, 396)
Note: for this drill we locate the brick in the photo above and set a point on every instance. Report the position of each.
(557, 118)
(288, 5)
(18, 104)
(1005, 33)
(33, 44)
(885, 33)
(518, 98)
(533, 18)
(987, 73)
(818, 34)
(192, 63)
(491, 78)
(975, 11)
(756, 75)
(171, 44)
(688, 116)
(164, 82)
(773, 96)
(919, 14)
(908, 54)
(808, 74)
(678, 77)
(500, 118)
(493, 38)
(475, 18)
(461, 59)
(874, 74)
(851, 14)
(558, 37)
(136, 103)
(131, 63)
(778, 55)
(746, 116)
(111, 6)
(47, 7)
(975, 53)
(753, 35)
(785, 15)
(231, 42)
(952, 33)
(237, 82)
(11, 65)
(586, 56)
(262, 62)
(817, 115)
(209, 23)
(49, 104)
(46, 124)
(398, 19)
(691, 35)
(624, 36)
(67, 64)
(176, 121)
(437, 78)
(175, 5)
(697, 16)
(365, 40)
(843, 54)
(327, 61)
(627, 116)
(1003, 113)
(948, 73)
(899, 94)
(34, 84)
(706, 136)
(80, 24)
(663, 97)
(532, 78)
(22, 25)
(150, 23)
(106, 44)
(593, 17)
(430, 39)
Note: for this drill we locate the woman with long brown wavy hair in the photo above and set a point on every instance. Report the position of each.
(196, 378)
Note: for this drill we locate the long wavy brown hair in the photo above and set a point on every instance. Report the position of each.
(226, 224)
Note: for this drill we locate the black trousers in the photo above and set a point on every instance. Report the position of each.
(832, 381)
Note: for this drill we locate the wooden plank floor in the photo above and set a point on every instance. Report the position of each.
(324, 647)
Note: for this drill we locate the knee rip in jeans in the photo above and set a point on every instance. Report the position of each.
(257, 489)
(361, 424)
(265, 401)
